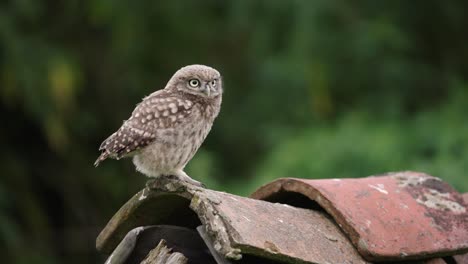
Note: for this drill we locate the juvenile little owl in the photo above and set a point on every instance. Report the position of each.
(168, 126)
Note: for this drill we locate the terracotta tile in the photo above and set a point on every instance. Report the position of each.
(238, 226)
(279, 231)
(463, 258)
(406, 215)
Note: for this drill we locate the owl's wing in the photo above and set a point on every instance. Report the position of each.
(157, 112)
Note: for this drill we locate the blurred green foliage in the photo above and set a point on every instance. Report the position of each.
(313, 89)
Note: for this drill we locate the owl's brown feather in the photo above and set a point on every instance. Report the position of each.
(159, 111)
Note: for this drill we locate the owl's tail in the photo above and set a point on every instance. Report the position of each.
(101, 158)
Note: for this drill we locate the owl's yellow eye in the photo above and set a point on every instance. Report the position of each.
(194, 83)
(213, 83)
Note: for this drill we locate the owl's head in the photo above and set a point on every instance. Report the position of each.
(198, 80)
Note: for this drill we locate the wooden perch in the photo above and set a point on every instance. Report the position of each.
(164, 255)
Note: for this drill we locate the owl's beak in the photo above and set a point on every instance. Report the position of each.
(207, 89)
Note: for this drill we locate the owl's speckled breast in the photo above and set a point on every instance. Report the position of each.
(174, 147)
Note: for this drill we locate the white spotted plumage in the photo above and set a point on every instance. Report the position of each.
(166, 129)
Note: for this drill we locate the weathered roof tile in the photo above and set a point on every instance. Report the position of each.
(391, 217)
(396, 216)
(463, 258)
(238, 225)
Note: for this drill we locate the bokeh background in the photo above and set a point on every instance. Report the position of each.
(313, 89)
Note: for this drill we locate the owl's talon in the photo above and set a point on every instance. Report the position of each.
(196, 183)
(183, 178)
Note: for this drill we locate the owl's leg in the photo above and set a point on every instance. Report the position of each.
(184, 177)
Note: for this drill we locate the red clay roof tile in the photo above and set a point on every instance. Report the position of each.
(406, 215)
(463, 258)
